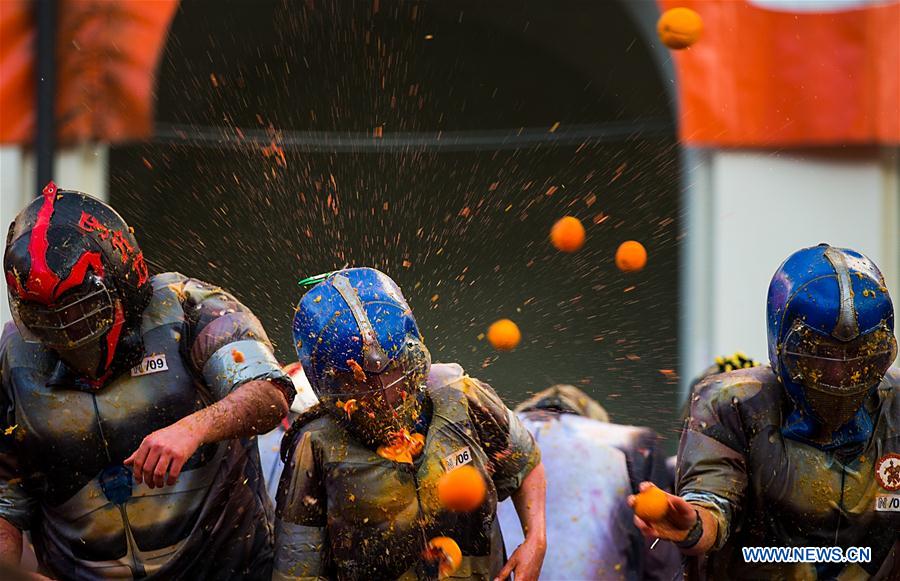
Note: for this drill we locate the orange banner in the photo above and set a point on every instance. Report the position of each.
(107, 54)
(775, 73)
(759, 77)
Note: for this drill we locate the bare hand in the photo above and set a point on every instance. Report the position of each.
(525, 561)
(676, 523)
(164, 450)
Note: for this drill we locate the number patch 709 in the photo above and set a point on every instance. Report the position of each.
(150, 364)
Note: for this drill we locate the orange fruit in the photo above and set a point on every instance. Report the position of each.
(631, 256)
(462, 489)
(358, 373)
(504, 335)
(446, 552)
(403, 447)
(348, 406)
(651, 505)
(567, 235)
(679, 28)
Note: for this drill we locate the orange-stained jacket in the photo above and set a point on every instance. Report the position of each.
(766, 490)
(345, 512)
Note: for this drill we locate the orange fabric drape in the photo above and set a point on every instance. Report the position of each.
(757, 77)
(107, 54)
(764, 78)
(16, 76)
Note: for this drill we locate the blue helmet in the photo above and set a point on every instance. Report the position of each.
(831, 339)
(362, 351)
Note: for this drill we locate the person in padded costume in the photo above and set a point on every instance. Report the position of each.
(590, 533)
(127, 408)
(805, 452)
(358, 496)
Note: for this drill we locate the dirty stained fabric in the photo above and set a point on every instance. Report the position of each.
(345, 512)
(768, 490)
(61, 449)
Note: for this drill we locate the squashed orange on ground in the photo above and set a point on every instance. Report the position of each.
(631, 256)
(504, 335)
(404, 447)
(679, 28)
(567, 235)
(462, 489)
(446, 553)
(651, 504)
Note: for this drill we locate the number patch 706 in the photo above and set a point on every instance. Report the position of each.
(457, 459)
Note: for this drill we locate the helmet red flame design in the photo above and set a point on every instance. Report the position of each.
(43, 285)
(66, 248)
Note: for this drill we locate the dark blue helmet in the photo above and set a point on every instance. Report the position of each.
(831, 340)
(358, 342)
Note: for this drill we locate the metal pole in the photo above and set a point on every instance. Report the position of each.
(45, 77)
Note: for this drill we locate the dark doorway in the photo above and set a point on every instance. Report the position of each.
(437, 141)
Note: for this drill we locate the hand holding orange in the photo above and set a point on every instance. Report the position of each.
(651, 504)
(659, 515)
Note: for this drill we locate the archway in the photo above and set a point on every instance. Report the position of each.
(438, 142)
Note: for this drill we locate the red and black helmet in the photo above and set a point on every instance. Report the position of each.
(75, 273)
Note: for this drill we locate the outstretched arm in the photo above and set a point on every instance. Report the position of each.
(253, 408)
(530, 501)
(680, 518)
(227, 347)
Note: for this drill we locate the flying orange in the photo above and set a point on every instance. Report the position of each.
(462, 489)
(631, 256)
(504, 335)
(446, 552)
(679, 28)
(567, 235)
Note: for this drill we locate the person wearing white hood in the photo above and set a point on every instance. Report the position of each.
(270, 443)
(592, 466)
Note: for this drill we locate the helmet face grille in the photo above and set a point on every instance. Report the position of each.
(82, 315)
(382, 403)
(836, 376)
(837, 368)
(832, 410)
(77, 278)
